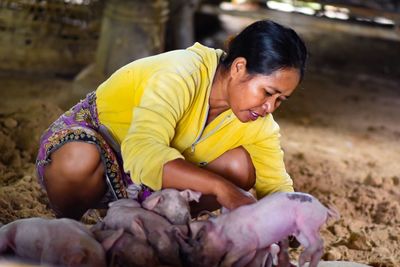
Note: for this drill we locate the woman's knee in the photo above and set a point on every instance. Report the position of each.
(237, 166)
(73, 162)
(74, 180)
(75, 170)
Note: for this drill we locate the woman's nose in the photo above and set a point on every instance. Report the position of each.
(270, 105)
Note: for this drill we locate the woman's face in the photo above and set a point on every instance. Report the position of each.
(254, 96)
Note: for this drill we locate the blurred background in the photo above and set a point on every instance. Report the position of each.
(340, 130)
(62, 37)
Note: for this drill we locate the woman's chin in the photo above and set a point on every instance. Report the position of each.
(244, 120)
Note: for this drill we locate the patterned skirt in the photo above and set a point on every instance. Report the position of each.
(81, 124)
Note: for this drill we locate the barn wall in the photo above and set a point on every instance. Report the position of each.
(53, 36)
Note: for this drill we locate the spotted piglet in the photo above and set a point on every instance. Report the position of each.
(233, 239)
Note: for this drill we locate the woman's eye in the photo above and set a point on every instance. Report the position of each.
(267, 93)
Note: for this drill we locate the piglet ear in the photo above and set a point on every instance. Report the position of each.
(190, 195)
(182, 240)
(201, 235)
(151, 202)
(137, 229)
(110, 240)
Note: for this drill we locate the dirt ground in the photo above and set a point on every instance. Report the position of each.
(340, 134)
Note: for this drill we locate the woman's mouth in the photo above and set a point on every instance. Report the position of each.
(253, 115)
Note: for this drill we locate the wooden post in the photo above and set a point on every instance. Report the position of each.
(131, 29)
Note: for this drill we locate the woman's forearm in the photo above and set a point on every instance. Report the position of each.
(180, 174)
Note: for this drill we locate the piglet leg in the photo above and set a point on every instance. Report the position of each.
(261, 259)
(313, 251)
(245, 259)
(282, 258)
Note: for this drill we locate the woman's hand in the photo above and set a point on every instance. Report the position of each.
(183, 175)
(230, 196)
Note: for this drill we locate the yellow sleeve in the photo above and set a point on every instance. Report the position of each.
(146, 147)
(267, 157)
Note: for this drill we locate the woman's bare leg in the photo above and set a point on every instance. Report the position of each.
(236, 166)
(74, 179)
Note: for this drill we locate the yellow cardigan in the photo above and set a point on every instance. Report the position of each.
(157, 107)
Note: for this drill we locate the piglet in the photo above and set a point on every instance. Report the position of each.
(126, 250)
(145, 225)
(232, 239)
(53, 241)
(172, 204)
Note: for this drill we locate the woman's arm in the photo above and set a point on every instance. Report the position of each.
(181, 174)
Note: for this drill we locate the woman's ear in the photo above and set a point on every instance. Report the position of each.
(238, 67)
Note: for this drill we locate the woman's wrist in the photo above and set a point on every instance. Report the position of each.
(221, 186)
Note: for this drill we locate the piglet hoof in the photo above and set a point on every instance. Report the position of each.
(293, 242)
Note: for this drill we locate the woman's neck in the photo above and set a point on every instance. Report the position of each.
(218, 100)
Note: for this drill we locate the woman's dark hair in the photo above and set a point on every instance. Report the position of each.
(267, 46)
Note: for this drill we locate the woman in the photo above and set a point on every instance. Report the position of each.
(195, 119)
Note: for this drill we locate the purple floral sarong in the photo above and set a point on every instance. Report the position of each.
(81, 124)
